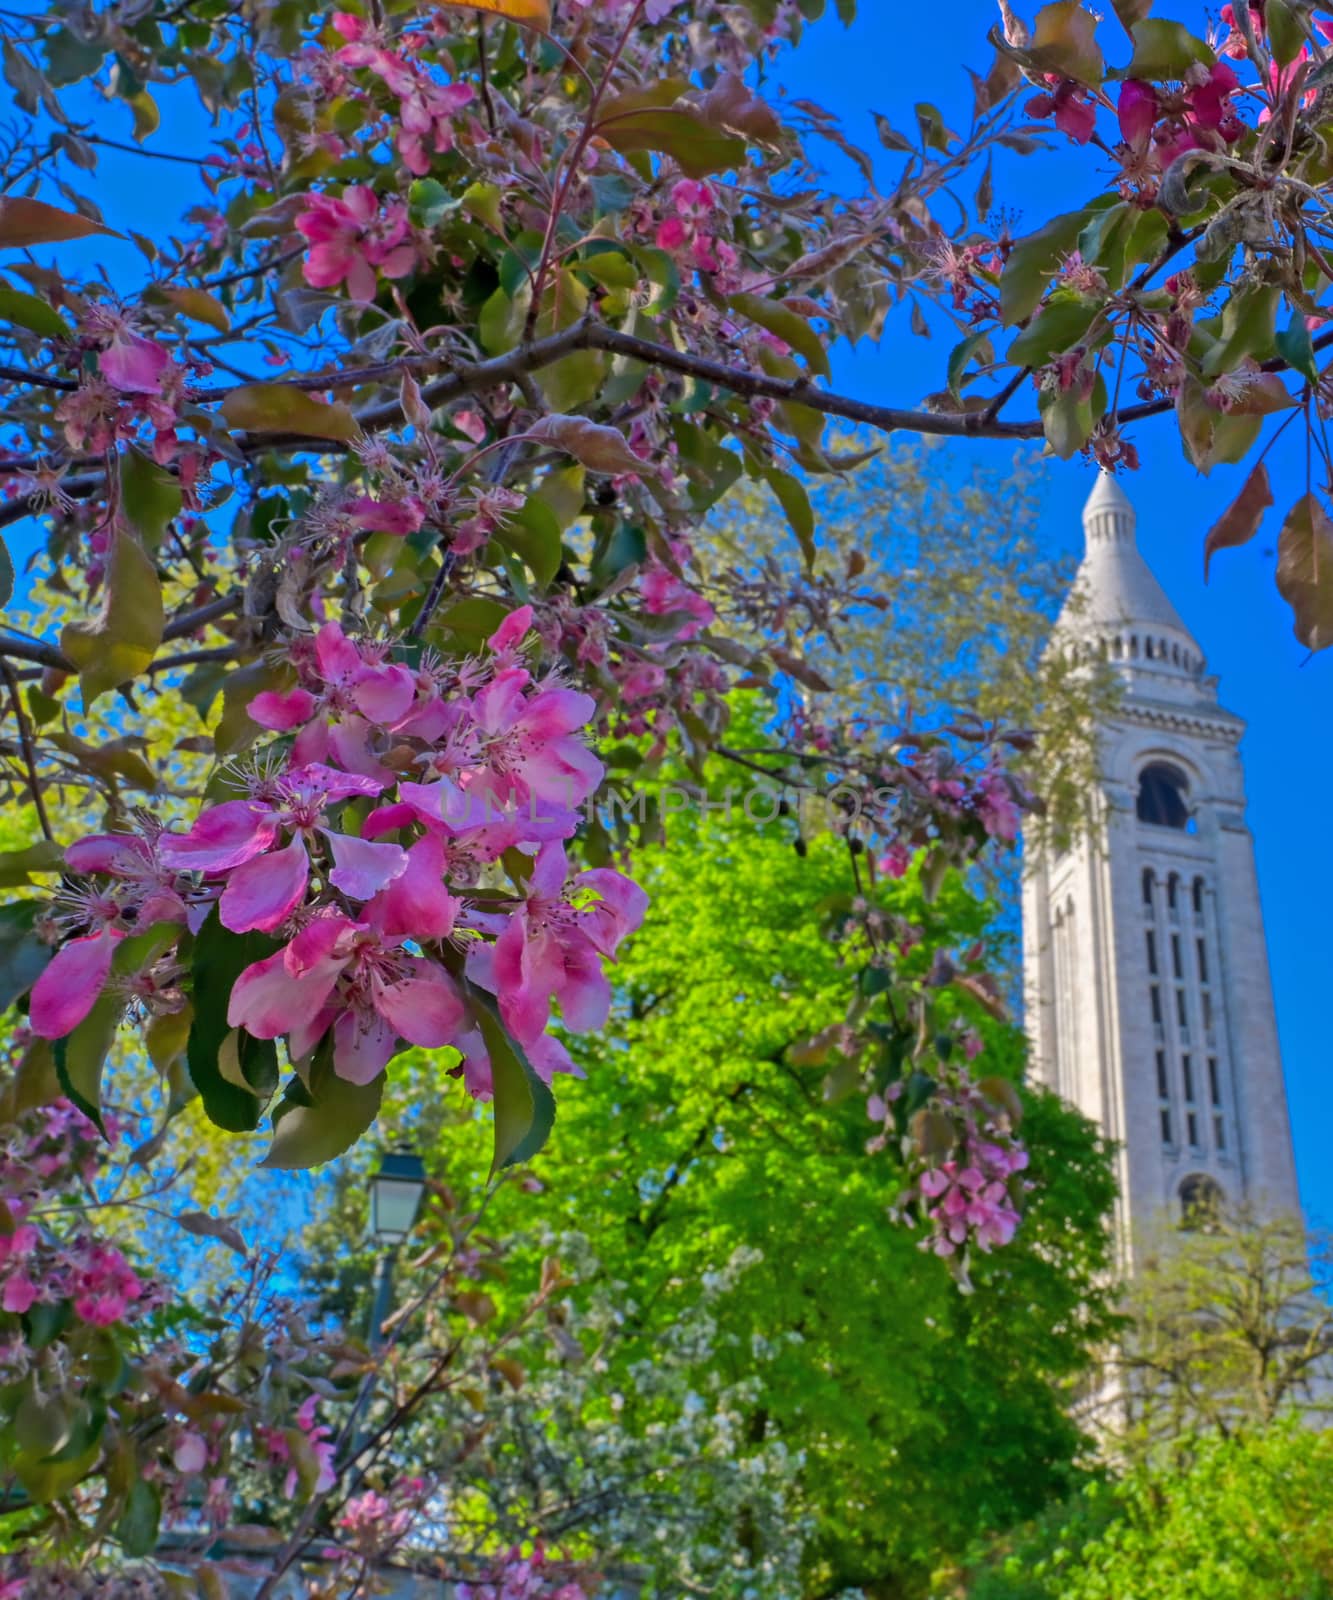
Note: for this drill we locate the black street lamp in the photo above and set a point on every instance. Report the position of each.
(395, 1199)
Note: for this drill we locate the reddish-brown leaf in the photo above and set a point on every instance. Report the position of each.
(1239, 523)
(26, 222)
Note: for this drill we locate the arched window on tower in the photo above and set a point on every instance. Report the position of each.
(1163, 796)
(1200, 1201)
(1197, 896)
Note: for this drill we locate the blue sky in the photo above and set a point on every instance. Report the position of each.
(892, 56)
(895, 55)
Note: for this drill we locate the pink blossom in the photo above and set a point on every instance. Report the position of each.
(1137, 110)
(531, 747)
(352, 238)
(551, 946)
(356, 979)
(134, 365)
(896, 860)
(266, 880)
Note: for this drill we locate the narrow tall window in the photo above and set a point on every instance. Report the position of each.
(1197, 893)
(1177, 965)
(1152, 952)
(1187, 1072)
(1182, 1016)
(1156, 994)
(1219, 1133)
(1214, 1082)
(1192, 1130)
(1202, 952)
(1166, 1126)
(1163, 1089)
(1148, 881)
(1207, 1011)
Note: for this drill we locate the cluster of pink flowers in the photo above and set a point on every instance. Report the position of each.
(53, 1150)
(516, 1576)
(374, 1522)
(353, 238)
(498, 764)
(686, 231)
(968, 1198)
(1201, 116)
(426, 109)
(318, 1436)
(666, 592)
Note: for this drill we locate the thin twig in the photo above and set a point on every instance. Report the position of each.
(29, 754)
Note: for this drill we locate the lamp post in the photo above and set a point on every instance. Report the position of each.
(395, 1198)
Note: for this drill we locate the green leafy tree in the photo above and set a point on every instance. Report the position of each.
(1228, 1327)
(919, 1414)
(1250, 1519)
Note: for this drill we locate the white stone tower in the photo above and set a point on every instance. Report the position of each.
(1149, 1003)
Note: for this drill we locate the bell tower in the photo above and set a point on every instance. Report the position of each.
(1148, 998)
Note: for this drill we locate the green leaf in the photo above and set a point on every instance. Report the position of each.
(81, 1055)
(1067, 420)
(1295, 347)
(533, 534)
(197, 304)
(15, 865)
(150, 495)
(1032, 261)
(699, 148)
(120, 643)
(786, 325)
(473, 619)
(23, 956)
(30, 312)
(1286, 32)
(429, 203)
(1248, 328)
(795, 502)
(1064, 41)
(1163, 49)
(137, 1528)
(524, 1106)
(316, 1122)
(975, 344)
(934, 134)
(283, 408)
(1061, 324)
(1305, 571)
(220, 957)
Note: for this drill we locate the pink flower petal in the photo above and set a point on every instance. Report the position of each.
(264, 892)
(269, 999)
(512, 629)
(362, 867)
(222, 837)
(362, 1045)
(281, 712)
(134, 365)
(119, 854)
(416, 904)
(425, 1009)
(385, 695)
(68, 988)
